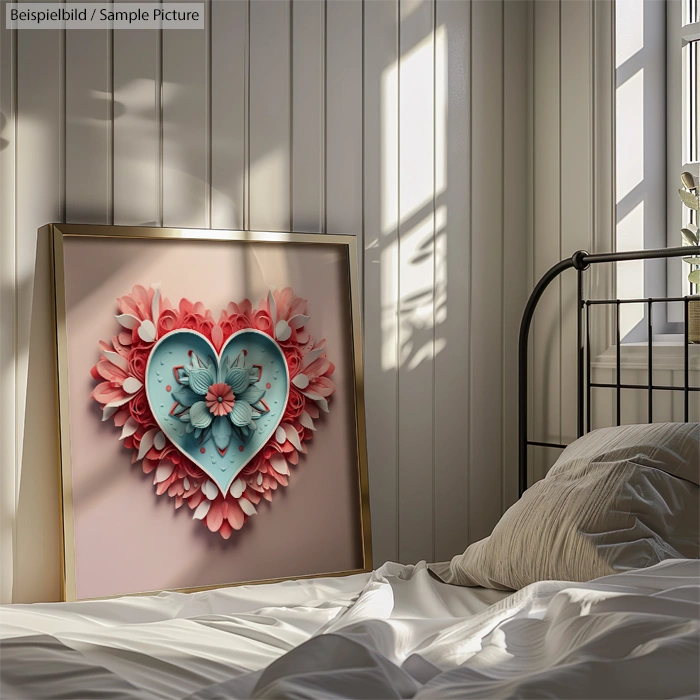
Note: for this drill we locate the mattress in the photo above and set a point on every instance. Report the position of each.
(397, 632)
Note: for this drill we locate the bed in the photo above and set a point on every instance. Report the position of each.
(403, 631)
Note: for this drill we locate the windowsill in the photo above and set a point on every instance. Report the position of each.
(667, 350)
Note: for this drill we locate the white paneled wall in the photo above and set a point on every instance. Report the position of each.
(404, 122)
(571, 195)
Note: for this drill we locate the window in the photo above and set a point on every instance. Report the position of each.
(683, 127)
(640, 159)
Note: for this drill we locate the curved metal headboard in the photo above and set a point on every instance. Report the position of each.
(580, 261)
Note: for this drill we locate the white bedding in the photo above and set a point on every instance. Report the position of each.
(395, 633)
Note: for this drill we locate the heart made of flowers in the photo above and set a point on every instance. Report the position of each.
(218, 410)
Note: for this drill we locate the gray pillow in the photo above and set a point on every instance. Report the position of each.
(616, 499)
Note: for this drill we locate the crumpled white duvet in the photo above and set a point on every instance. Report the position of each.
(397, 633)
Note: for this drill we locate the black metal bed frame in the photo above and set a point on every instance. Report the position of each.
(581, 261)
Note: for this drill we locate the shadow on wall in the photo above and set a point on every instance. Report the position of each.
(4, 143)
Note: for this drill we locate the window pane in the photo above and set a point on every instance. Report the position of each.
(691, 102)
(690, 11)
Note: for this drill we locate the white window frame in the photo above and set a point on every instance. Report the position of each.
(648, 61)
(678, 35)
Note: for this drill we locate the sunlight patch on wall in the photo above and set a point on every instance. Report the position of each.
(414, 174)
(629, 127)
(630, 275)
(629, 33)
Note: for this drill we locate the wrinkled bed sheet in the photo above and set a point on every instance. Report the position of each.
(397, 632)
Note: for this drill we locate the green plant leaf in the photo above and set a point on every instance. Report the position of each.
(690, 200)
(689, 236)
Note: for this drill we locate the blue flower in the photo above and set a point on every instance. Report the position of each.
(221, 403)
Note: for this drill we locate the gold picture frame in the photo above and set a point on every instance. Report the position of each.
(61, 236)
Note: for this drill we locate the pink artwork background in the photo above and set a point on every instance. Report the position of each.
(127, 539)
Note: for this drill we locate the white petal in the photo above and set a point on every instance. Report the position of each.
(186, 483)
(201, 510)
(298, 321)
(130, 427)
(312, 395)
(155, 305)
(237, 488)
(210, 490)
(292, 435)
(311, 356)
(259, 478)
(117, 360)
(301, 381)
(273, 307)
(247, 507)
(108, 411)
(128, 321)
(279, 464)
(320, 401)
(164, 470)
(146, 442)
(131, 385)
(282, 330)
(147, 331)
(280, 435)
(306, 421)
(159, 441)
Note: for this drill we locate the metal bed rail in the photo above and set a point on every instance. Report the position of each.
(581, 261)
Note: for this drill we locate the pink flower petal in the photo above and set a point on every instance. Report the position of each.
(215, 516)
(235, 515)
(106, 392)
(318, 367)
(217, 337)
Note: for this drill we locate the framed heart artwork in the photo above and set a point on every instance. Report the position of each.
(211, 420)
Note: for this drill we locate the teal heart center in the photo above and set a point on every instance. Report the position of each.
(218, 409)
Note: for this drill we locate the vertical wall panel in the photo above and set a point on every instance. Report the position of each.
(452, 285)
(136, 127)
(186, 127)
(270, 111)
(229, 103)
(308, 115)
(486, 268)
(8, 298)
(546, 330)
(416, 279)
(88, 126)
(576, 193)
(381, 271)
(515, 209)
(39, 181)
(344, 118)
